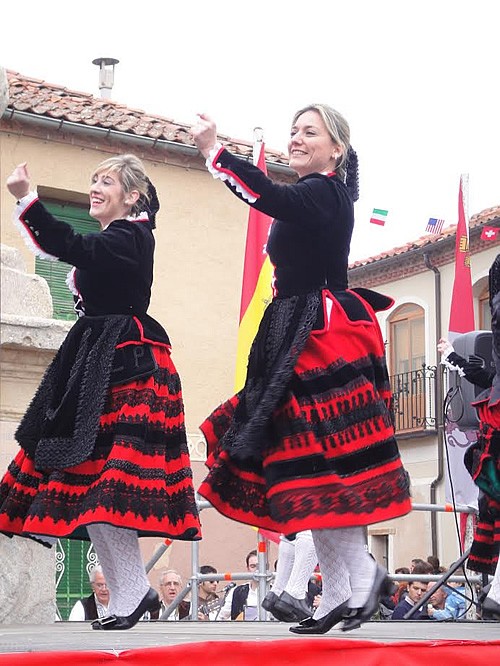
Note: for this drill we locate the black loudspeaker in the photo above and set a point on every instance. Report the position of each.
(476, 347)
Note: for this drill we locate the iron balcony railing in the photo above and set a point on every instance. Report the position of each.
(414, 400)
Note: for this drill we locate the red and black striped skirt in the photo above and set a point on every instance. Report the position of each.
(333, 461)
(139, 475)
(484, 466)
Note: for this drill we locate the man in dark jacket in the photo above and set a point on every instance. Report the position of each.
(416, 590)
(95, 605)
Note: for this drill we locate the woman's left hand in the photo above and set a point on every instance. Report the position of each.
(204, 133)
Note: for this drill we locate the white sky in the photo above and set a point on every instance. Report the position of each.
(418, 83)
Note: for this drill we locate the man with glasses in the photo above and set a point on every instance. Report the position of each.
(95, 605)
(170, 584)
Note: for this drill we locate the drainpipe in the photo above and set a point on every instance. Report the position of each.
(438, 401)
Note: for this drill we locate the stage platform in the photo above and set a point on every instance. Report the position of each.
(404, 643)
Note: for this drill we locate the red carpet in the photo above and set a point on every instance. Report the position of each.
(306, 652)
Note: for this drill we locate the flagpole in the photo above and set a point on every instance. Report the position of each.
(461, 321)
(258, 140)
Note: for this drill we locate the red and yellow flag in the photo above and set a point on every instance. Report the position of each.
(462, 300)
(256, 291)
(256, 288)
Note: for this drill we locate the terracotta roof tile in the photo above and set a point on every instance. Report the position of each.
(54, 101)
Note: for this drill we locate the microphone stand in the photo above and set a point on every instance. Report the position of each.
(225, 592)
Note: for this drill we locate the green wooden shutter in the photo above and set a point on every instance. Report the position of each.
(73, 557)
(55, 272)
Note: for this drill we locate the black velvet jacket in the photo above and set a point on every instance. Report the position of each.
(109, 344)
(311, 233)
(114, 267)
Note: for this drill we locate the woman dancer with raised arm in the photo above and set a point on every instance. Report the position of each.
(103, 444)
(309, 441)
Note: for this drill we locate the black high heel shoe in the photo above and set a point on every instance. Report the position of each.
(357, 616)
(150, 602)
(292, 607)
(269, 604)
(324, 624)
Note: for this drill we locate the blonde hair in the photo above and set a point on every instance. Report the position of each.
(338, 129)
(132, 175)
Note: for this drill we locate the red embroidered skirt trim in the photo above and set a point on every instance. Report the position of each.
(139, 475)
(334, 461)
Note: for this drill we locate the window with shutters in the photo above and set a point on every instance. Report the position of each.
(74, 560)
(409, 378)
(55, 272)
(484, 310)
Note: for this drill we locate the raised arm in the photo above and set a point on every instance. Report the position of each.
(305, 201)
(51, 238)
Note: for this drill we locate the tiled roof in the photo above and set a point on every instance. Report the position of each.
(485, 217)
(53, 101)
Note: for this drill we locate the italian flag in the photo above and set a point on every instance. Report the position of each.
(379, 216)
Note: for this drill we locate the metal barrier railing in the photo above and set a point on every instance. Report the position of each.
(264, 576)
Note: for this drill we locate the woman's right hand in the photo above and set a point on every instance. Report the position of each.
(18, 183)
(204, 134)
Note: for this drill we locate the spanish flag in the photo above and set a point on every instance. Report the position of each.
(256, 291)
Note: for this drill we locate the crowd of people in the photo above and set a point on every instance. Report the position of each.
(449, 602)
(307, 448)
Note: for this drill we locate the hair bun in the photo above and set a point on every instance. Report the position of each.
(352, 174)
(152, 203)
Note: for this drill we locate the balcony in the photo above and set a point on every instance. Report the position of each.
(414, 400)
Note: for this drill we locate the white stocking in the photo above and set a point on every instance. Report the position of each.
(304, 564)
(334, 573)
(361, 566)
(286, 556)
(101, 548)
(494, 592)
(118, 551)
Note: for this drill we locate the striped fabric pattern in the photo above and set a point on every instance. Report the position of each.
(139, 475)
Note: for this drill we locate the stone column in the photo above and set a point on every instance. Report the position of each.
(29, 338)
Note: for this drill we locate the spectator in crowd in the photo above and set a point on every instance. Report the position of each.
(170, 584)
(241, 602)
(414, 594)
(422, 566)
(445, 604)
(416, 590)
(434, 562)
(96, 604)
(314, 589)
(402, 588)
(209, 603)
